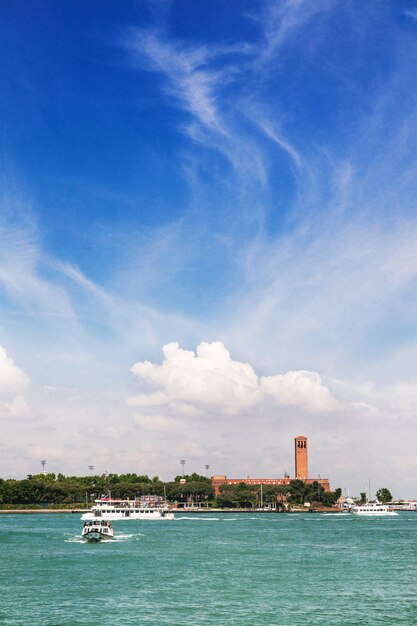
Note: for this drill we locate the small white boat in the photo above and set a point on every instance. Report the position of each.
(95, 531)
(373, 510)
(143, 508)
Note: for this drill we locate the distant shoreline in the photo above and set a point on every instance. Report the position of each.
(175, 511)
(37, 511)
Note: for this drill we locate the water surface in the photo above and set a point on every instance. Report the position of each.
(210, 569)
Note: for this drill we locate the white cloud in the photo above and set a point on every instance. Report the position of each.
(14, 408)
(187, 72)
(282, 20)
(157, 422)
(303, 389)
(12, 381)
(210, 380)
(12, 378)
(197, 82)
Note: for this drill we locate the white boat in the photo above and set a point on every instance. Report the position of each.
(374, 509)
(97, 530)
(142, 509)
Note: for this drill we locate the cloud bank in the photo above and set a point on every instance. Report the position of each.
(209, 380)
(12, 383)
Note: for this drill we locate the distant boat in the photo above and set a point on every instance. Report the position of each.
(142, 509)
(97, 531)
(374, 509)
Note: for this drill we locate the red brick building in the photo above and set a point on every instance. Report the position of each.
(301, 472)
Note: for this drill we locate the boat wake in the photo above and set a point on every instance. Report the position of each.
(130, 537)
(116, 538)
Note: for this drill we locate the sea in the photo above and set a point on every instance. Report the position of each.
(211, 569)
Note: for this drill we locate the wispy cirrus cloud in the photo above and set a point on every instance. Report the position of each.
(188, 71)
(22, 264)
(282, 20)
(198, 78)
(294, 246)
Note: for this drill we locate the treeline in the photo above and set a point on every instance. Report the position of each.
(296, 493)
(60, 489)
(49, 489)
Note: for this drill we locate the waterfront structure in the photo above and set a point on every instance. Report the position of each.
(145, 507)
(301, 457)
(301, 472)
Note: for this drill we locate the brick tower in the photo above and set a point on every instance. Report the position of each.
(301, 458)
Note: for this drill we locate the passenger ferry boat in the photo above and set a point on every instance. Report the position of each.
(95, 531)
(374, 509)
(146, 507)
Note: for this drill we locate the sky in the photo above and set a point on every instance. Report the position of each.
(209, 238)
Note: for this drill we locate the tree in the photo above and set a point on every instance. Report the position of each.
(241, 495)
(383, 495)
(192, 478)
(363, 498)
(330, 498)
(298, 491)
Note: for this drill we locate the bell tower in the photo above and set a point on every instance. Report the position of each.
(301, 457)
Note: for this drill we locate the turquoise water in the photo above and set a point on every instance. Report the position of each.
(211, 569)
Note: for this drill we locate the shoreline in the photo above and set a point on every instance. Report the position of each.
(175, 511)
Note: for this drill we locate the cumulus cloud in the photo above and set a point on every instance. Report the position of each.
(12, 381)
(209, 379)
(12, 378)
(302, 388)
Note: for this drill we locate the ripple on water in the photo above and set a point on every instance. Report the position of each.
(267, 570)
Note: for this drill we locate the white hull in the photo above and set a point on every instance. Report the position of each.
(95, 537)
(94, 532)
(145, 508)
(373, 511)
(132, 515)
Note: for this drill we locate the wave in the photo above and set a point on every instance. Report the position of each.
(200, 519)
(116, 538)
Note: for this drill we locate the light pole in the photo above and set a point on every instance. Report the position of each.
(207, 469)
(43, 467)
(318, 489)
(91, 467)
(182, 464)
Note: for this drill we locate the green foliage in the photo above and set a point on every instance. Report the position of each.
(195, 491)
(384, 495)
(247, 496)
(232, 496)
(63, 490)
(300, 492)
(192, 478)
(330, 498)
(363, 498)
(43, 489)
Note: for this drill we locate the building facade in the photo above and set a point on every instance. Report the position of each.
(301, 457)
(301, 472)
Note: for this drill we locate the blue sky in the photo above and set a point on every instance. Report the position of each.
(240, 175)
